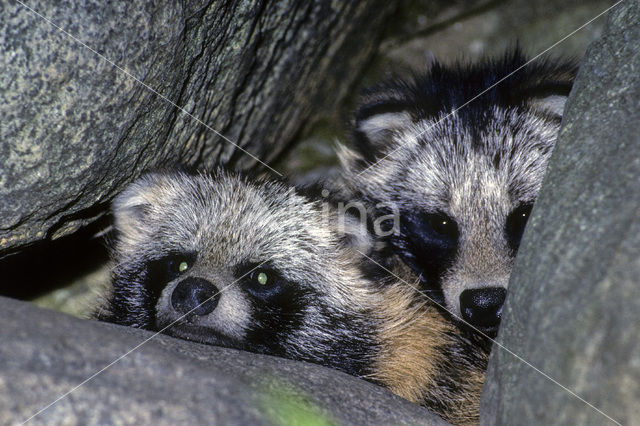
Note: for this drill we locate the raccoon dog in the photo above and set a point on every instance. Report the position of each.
(461, 177)
(258, 266)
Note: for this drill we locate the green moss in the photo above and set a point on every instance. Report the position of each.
(283, 404)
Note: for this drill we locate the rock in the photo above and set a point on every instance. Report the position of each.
(86, 111)
(474, 29)
(573, 308)
(120, 375)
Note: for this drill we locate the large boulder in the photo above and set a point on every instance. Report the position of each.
(94, 92)
(573, 309)
(56, 369)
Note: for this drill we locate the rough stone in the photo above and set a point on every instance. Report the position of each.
(573, 308)
(475, 29)
(130, 376)
(93, 93)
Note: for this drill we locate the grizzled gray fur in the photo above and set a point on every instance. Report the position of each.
(225, 260)
(461, 171)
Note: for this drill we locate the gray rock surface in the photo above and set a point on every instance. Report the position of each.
(162, 380)
(76, 126)
(475, 29)
(573, 308)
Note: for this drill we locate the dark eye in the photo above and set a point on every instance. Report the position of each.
(443, 225)
(261, 277)
(258, 276)
(178, 264)
(516, 222)
(261, 281)
(428, 243)
(167, 268)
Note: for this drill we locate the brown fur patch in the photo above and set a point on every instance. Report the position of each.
(412, 357)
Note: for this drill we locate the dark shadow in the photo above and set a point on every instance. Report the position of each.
(50, 265)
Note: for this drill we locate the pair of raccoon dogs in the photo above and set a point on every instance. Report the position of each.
(263, 266)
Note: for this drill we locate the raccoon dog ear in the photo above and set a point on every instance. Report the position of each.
(549, 95)
(131, 207)
(378, 128)
(375, 126)
(550, 105)
(382, 111)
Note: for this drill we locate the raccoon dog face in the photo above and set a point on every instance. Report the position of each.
(227, 261)
(462, 177)
(257, 266)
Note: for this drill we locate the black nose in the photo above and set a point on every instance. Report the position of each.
(482, 307)
(195, 296)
